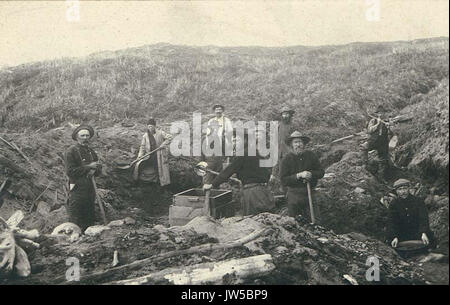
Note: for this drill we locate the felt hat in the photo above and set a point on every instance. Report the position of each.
(287, 109)
(81, 127)
(218, 105)
(401, 182)
(298, 135)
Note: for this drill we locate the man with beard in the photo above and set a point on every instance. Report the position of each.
(81, 165)
(297, 168)
(255, 195)
(285, 129)
(408, 216)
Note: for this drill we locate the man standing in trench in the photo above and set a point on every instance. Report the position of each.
(297, 168)
(285, 129)
(408, 216)
(378, 132)
(81, 165)
(255, 194)
(219, 128)
(153, 170)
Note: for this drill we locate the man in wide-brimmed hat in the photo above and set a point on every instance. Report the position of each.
(255, 195)
(218, 134)
(285, 129)
(408, 216)
(81, 164)
(297, 168)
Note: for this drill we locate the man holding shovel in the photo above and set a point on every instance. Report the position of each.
(81, 166)
(299, 171)
(255, 195)
(154, 168)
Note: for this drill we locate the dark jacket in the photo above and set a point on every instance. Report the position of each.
(408, 219)
(247, 169)
(77, 159)
(293, 164)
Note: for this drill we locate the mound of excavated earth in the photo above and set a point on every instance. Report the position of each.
(274, 249)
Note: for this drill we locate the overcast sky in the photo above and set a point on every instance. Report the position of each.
(39, 30)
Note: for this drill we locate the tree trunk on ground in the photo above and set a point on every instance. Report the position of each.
(208, 273)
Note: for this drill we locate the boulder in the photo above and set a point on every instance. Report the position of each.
(69, 230)
(96, 230)
(116, 223)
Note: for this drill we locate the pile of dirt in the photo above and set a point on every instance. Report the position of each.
(348, 197)
(302, 253)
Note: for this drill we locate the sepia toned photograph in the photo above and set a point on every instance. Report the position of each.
(224, 149)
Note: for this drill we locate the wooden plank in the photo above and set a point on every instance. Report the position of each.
(241, 268)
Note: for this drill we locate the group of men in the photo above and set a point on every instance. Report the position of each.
(298, 169)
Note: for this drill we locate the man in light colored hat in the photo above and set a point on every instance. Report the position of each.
(255, 195)
(285, 129)
(408, 216)
(219, 132)
(297, 168)
(81, 164)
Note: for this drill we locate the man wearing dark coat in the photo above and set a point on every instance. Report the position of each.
(81, 165)
(298, 167)
(255, 195)
(378, 139)
(408, 216)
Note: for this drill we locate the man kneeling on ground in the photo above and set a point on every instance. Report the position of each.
(408, 216)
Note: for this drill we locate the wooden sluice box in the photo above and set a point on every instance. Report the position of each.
(189, 204)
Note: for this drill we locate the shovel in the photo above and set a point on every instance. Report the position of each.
(99, 201)
(202, 167)
(139, 159)
(308, 186)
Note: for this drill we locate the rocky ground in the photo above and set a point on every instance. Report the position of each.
(353, 219)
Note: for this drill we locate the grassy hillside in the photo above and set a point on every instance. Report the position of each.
(330, 87)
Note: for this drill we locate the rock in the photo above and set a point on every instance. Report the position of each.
(71, 231)
(281, 249)
(116, 223)
(359, 190)
(322, 240)
(357, 236)
(43, 208)
(96, 230)
(129, 221)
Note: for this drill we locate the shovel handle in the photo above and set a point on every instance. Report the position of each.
(206, 209)
(311, 208)
(99, 201)
(140, 158)
(146, 155)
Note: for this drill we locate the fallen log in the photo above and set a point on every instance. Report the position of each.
(8, 163)
(207, 273)
(197, 249)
